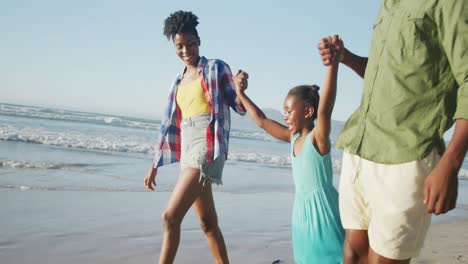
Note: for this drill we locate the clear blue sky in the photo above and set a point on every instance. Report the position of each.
(110, 56)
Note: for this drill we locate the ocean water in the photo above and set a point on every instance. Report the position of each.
(69, 179)
(55, 149)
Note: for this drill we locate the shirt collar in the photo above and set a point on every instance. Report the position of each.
(201, 64)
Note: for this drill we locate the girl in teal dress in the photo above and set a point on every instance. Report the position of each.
(317, 232)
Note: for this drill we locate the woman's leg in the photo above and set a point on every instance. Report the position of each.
(186, 191)
(205, 208)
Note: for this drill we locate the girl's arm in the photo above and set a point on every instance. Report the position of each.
(326, 104)
(273, 128)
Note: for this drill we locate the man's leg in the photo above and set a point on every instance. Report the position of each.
(399, 221)
(356, 247)
(354, 211)
(375, 258)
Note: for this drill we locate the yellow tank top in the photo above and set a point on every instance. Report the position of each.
(191, 100)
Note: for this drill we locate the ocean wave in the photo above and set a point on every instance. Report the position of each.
(463, 174)
(143, 143)
(43, 165)
(77, 140)
(121, 143)
(272, 160)
(246, 134)
(107, 120)
(74, 116)
(261, 158)
(78, 189)
(107, 142)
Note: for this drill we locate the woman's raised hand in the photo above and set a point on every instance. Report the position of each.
(240, 80)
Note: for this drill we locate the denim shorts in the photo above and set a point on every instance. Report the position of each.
(194, 149)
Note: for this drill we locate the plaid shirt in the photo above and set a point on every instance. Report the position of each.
(219, 91)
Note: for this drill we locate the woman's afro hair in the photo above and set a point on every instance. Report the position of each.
(180, 21)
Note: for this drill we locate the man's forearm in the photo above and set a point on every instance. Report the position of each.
(458, 145)
(356, 63)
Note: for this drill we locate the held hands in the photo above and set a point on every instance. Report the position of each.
(240, 80)
(331, 50)
(150, 179)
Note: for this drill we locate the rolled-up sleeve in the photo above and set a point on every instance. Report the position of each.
(229, 90)
(451, 18)
(462, 102)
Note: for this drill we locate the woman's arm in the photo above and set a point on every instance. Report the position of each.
(150, 179)
(229, 92)
(273, 128)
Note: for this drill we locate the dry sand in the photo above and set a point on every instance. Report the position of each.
(447, 242)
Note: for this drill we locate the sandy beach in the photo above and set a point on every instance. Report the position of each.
(447, 242)
(119, 227)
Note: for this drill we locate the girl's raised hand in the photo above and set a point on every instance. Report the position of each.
(338, 48)
(326, 49)
(331, 49)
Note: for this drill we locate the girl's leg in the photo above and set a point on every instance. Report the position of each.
(205, 208)
(186, 191)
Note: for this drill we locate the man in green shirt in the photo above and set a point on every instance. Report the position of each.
(396, 170)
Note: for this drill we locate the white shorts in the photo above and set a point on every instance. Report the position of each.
(386, 200)
(194, 148)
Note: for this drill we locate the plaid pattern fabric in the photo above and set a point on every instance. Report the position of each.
(219, 91)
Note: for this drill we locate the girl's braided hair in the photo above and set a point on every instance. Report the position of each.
(308, 95)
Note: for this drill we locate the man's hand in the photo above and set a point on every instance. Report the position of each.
(331, 49)
(338, 47)
(441, 188)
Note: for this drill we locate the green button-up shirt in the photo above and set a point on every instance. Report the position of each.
(415, 84)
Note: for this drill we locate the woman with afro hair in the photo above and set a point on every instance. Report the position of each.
(195, 132)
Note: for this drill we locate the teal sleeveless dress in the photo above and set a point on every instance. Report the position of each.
(316, 226)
